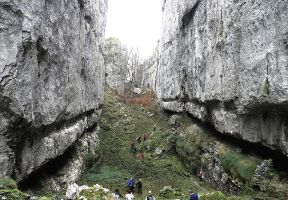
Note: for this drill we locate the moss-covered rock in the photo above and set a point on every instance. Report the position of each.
(45, 198)
(168, 192)
(95, 192)
(7, 183)
(217, 196)
(12, 194)
(8, 190)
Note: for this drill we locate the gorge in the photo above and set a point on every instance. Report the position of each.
(222, 63)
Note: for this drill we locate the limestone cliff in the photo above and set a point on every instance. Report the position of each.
(149, 74)
(116, 62)
(51, 79)
(225, 62)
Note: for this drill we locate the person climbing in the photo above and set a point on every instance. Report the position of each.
(150, 196)
(129, 195)
(139, 139)
(193, 196)
(117, 195)
(131, 184)
(142, 155)
(139, 186)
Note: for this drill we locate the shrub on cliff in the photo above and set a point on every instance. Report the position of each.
(217, 196)
(238, 165)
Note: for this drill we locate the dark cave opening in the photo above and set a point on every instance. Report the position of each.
(34, 181)
(280, 161)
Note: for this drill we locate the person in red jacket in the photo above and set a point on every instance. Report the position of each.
(142, 156)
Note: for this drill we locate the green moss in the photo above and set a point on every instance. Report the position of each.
(7, 183)
(89, 160)
(238, 165)
(93, 193)
(221, 29)
(169, 192)
(266, 88)
(13, 194)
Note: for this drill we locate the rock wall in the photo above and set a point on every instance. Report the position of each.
(116, 62)
(149, 74)
(225, 62)
(51, 79)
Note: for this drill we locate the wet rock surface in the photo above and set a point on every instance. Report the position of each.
(225, 62)
(51, 79)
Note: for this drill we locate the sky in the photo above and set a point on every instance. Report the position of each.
(137, 23)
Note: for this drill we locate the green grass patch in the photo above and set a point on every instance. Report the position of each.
(239, 165)
(7, 183)
(218, 196)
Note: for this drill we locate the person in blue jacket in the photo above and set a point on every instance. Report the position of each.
(193, 196)
(131, 184)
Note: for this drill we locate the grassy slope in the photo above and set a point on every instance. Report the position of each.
(123, 122)
(120, 124)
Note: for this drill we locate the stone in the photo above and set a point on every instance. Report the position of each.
(225, 63)
(51, 79)
(158, 151)
(174, 121)
(137, 90)
(262, 174)
(168, 192)
(72, 191)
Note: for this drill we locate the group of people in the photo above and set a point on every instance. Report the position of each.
(129, 194)
(131, 185)
(134, 148)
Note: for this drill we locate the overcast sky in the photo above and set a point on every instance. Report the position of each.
(137, 23)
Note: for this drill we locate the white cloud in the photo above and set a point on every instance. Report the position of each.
(137, 23)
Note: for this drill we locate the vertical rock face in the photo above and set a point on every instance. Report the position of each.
(116, 62)
(149, 74)
(225, 62)
(51, 79)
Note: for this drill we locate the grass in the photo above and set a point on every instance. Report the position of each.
(239, 165)
(122, 123)
(7, 183)
(8, 190)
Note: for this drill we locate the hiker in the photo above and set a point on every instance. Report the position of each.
(139, 139)
(131, 184)
(129, 195)
(200, 175)
(133, 147)
(139, 186)
(117, 195)
(142, 156)
(150, 196)
(145, 138)
(154, 127)
(193, 196)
